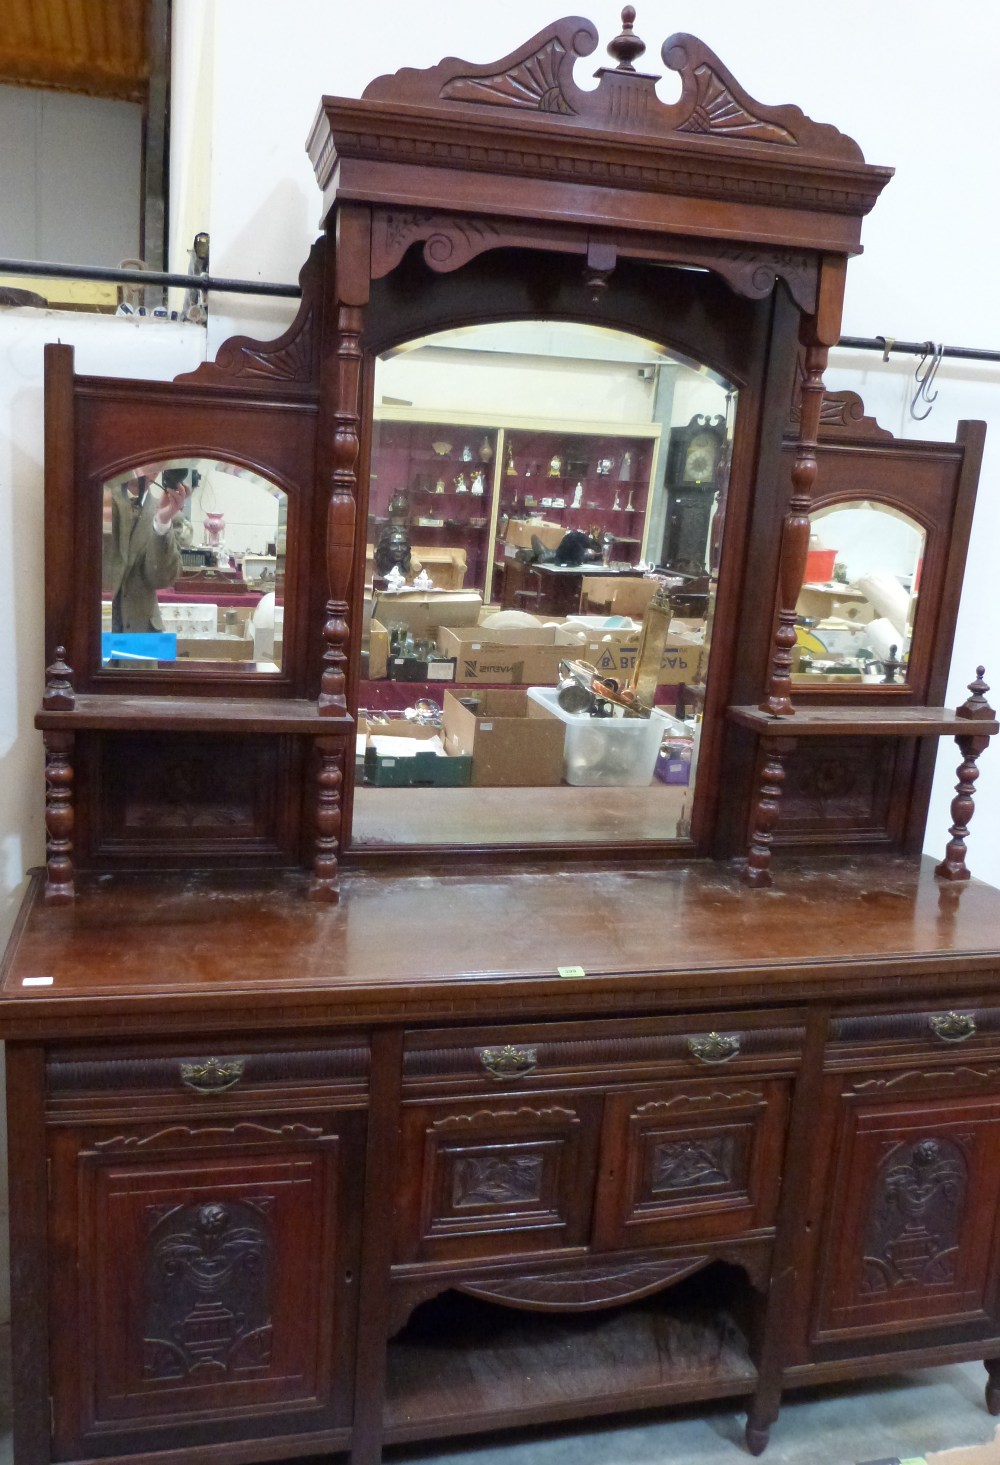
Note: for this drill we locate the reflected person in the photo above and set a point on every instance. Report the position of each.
(143, 553)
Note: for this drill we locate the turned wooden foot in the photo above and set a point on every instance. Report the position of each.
(993, 1385)
(757, 1437)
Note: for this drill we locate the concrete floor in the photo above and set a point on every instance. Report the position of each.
(902, 1417)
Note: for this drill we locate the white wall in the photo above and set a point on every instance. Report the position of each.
(70, 177)
(240, 170)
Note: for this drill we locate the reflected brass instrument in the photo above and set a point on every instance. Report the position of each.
(581, 688)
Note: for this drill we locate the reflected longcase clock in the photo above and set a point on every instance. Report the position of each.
(695, 453)
(694, 461)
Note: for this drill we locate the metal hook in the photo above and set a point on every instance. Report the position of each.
(887, 344)
(924, 377)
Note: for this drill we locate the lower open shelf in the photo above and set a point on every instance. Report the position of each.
(463, 1365)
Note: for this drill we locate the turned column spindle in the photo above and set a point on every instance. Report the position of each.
(795, 533)
(775, 750)
(325, 883)
(343, 507)
(59, 696)
(59, 888)
(963, 806)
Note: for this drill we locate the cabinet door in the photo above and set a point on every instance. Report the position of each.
(202, 1280)
(686, 1162)
(490, 1177)
(910, 1230)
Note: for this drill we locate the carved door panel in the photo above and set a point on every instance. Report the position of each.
(490, 1177)
(691, 1161)
(202, 1281)
(910, 1233)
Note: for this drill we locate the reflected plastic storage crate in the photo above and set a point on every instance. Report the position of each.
(606, 752)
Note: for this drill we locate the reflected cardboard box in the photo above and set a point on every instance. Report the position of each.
(614, 652)
(519, 532)
(821, 602)
(402, 668)
(215, 648)
(423, 611)
(618, 595)
(398, 756)
(508, 746)
(378, 650)
(520, 655)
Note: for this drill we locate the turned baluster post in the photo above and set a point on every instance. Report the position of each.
(772, 778)
(325, 883)
(963, 806)
(339, 446)
(59, 696)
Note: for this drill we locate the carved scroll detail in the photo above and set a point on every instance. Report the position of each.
(289, 360)
(450, 240)
(717, 1096)
(183, 1134)
(513, 1116)
(931, 1078)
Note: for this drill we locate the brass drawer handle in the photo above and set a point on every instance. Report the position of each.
(953, 1027)
(213, 1075)
(714, 1048)
(508, 1062)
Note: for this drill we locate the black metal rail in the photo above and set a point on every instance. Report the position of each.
(146, 277)
(209, 283)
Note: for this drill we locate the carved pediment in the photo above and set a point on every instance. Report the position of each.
(427, 139)
(538, 77)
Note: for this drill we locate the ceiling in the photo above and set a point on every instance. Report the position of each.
(100, 47)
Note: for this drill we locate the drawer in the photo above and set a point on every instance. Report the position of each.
(597, 1053)
(689, 1162)
(496, 1177)
(97, 1081)
(857, 1039)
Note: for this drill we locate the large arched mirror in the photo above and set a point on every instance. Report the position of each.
(193, 567)
(545, 512)
(857, 607)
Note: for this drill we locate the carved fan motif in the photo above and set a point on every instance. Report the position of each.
(532, 84)
(718, 111)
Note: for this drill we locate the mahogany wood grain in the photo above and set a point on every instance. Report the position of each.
(29, 1252)
(914, 722)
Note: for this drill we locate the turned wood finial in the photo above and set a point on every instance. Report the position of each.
(627, 47)
(976, 705)
(59, 694)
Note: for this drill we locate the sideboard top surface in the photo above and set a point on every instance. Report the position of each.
(478, 945)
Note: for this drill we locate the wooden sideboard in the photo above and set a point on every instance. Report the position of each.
(290, 1178)
(317, 1144)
